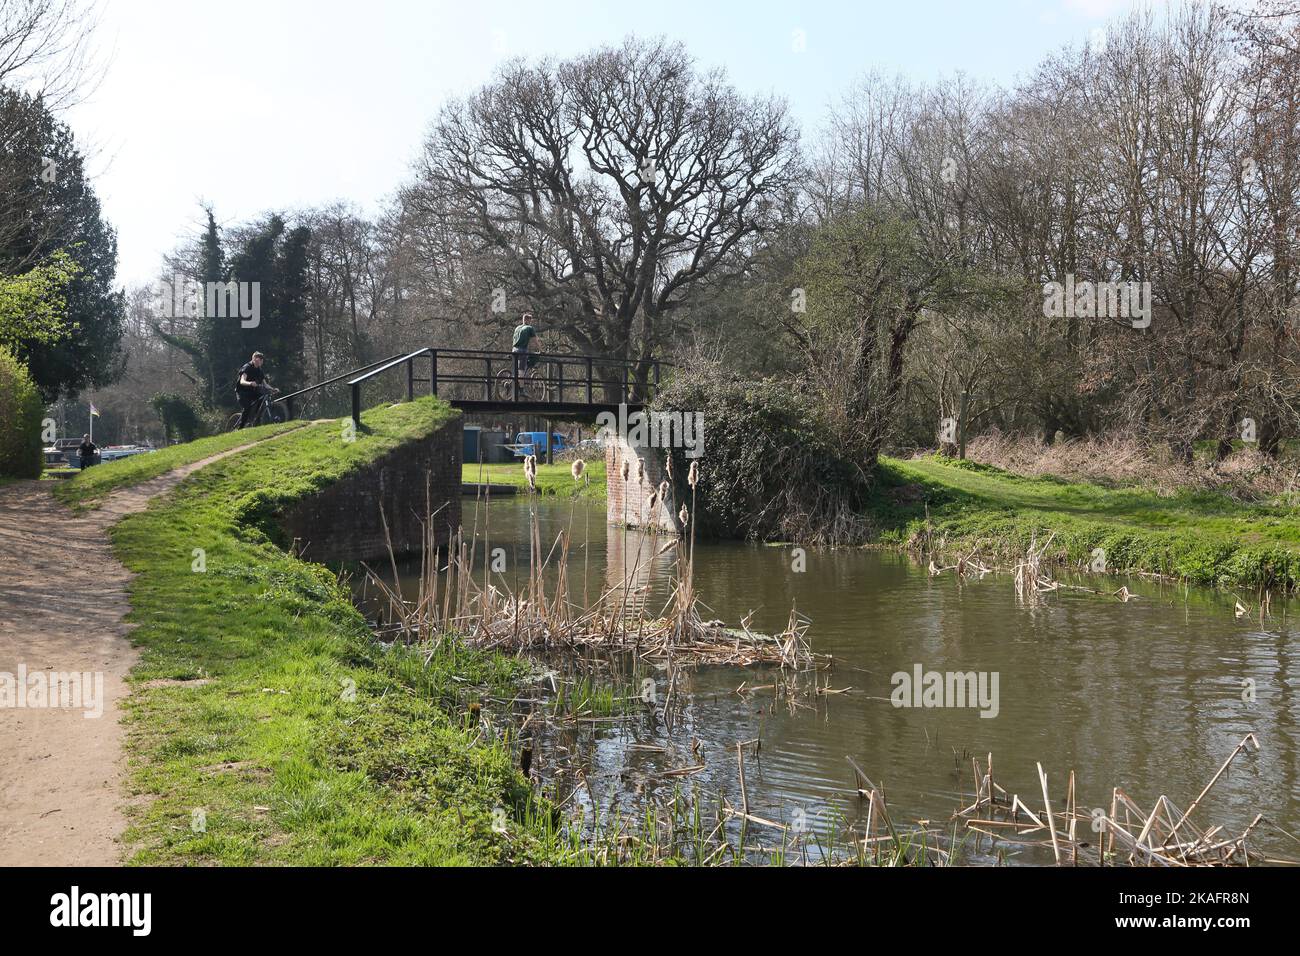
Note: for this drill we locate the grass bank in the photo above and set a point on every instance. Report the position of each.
(266, 727)
(94, 483)
(554, 479)
(1199, 536)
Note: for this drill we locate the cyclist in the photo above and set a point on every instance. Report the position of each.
(524, 335)
(249, 387)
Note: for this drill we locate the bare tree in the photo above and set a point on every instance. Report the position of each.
(45, 48)
(603, 189)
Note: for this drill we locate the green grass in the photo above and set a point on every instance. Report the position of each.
(554, 479)
(1203, 537)
(262, 700)
(94, 483)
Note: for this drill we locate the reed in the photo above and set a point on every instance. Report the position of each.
(1129, 834)
(537, 615)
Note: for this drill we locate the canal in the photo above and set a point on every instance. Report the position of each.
(1149, 694)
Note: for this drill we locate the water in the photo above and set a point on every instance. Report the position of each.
(1149, 695)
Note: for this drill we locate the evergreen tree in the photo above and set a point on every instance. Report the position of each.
(49, 207)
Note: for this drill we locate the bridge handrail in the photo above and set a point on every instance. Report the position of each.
(357, 376)
(571, 357)
(329, 381)
(391, 364)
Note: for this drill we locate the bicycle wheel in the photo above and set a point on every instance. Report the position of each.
(272, 414)
(233, 422)
(505, 386)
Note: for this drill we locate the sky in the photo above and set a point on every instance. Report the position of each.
(260, 105)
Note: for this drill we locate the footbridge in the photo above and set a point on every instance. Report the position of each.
(558, 386)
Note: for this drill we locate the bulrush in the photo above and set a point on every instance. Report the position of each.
(693, 478)
(577, 468)
(640, 471)
(684, 516)
(652, 503)
(627, 469)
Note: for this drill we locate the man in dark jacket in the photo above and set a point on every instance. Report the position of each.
(86, 451)
(249, 387)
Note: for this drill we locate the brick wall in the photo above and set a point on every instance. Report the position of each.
(342, 522)
(636, 495)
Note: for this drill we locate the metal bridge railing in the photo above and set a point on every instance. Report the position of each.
(486, 379)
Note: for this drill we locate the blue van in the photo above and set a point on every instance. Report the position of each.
(534, 443)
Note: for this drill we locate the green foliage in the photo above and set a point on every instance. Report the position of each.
(33, 306)
(21, 410)
(47, 219)
(770, 467)
(180, 419)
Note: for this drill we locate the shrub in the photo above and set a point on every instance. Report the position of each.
(770, 469)
(180, 418)
(21, 411)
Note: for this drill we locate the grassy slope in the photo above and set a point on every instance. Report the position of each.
(94, 483)
(1204, 537)
(287, 763)
(551, 479)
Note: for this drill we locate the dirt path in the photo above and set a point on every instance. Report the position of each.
(62, 602)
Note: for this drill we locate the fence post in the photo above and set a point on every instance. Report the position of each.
(356, 405)
(588, 379)
(288, 407)
(514, 374)
(559, 368)
(410, 380)
(487, 382)
(433, 372)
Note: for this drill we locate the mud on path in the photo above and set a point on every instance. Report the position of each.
(63, 597)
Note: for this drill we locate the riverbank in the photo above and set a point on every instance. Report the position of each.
(554, 479)
(265, 724)
(1198, 536)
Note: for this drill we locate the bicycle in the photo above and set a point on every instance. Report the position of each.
(264, 412)
(534, 385)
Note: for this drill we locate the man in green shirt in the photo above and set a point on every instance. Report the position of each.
(524, 335)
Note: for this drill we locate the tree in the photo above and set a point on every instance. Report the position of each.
(268, 270)
(602, 190)
(59, 213)
(44, 47)
(867, 283)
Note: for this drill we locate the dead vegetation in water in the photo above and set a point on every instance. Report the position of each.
(1124, 835)
(457, 597)
(1032, 579)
